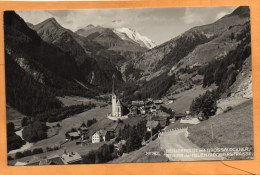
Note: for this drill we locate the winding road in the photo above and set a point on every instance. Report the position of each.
(177, 147)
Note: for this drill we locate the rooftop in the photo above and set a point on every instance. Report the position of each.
(71, 157)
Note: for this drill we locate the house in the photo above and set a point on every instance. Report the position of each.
(142, 111)
(99, 136)
(188, 114)
(153, 108)
(56, 160)
(138, 103)
(73, 135)
(162, 118)
(158, 102)
(179, 116)
(152, 125)
(148, 106)
(71, 158)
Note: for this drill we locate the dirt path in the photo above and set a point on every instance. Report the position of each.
(178, 147)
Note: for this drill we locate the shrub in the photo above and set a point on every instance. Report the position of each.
(27, 153)
(37, 151)
(35, 131)
(205, 103)
(19, 155)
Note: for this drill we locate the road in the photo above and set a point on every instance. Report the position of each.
(177, 147)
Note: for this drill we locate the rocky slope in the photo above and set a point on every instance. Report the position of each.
(95, 65)
(195, 47)
(182, 60)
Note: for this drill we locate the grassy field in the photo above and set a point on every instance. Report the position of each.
(70, 101)
(184, 99)
(230, 129)
(57, 135)
(140, 155)
(74, 122)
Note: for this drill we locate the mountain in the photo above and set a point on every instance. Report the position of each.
(52, 32)
(197, 46)
(36, 71)
(90, 29)
(121, 40)
(130, 34)
(185, 56)
(96, 69)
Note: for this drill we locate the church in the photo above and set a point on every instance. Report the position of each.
(119, 111)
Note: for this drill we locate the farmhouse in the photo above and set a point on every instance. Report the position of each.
(56, 160)
(71, 158)
(179, 116)
(138, 103)
(73, 135)
(99, 136)
(162, 118)
(158, 102)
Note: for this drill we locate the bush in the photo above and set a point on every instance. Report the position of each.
(35, 131)
(91, 122)
(205, 103)
(37, 151)
(18, 155)
(27, 153)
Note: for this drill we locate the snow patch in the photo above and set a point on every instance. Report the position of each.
(130, 34)
(208, 35)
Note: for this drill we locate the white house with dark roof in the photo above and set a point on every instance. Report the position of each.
(99, 136)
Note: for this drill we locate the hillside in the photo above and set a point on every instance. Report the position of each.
(239, 135)
(36, 70)
(197, 46)
(97, 70)
(195, 56)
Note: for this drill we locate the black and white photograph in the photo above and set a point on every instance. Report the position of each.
(128, 85)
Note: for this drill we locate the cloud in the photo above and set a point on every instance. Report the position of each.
(159, 24)
(191, 16)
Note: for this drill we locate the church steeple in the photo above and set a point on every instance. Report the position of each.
(113, 84)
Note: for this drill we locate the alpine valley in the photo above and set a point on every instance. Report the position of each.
(54, 74)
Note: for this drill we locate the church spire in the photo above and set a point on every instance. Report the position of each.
(113, 84)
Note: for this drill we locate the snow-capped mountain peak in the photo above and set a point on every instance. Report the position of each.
(130, 34)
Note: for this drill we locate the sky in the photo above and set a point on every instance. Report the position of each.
(160, 25)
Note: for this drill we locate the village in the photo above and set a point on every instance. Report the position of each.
(157, 118)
